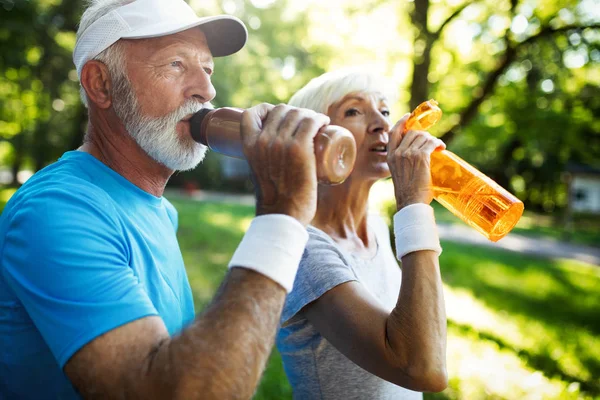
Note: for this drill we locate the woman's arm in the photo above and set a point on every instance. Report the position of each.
(407, 346)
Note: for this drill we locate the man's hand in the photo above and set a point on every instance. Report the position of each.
(409, 156)
(278, 144)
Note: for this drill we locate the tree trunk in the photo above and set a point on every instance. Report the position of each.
(419, 90)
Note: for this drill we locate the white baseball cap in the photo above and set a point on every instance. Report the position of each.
(225, 34)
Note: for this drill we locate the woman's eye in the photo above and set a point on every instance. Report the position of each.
(351, 112)
(385, 113)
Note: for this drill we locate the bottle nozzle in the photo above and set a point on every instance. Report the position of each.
(424, 116)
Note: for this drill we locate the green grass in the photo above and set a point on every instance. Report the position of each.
(518, 327)
(208, 235)
(534, 321)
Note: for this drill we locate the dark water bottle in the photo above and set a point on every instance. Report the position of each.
(219, 129)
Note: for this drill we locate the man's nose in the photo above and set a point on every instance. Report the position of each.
(200, 86)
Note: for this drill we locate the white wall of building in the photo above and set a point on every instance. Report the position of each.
(586, 193)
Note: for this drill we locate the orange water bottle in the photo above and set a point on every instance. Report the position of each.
(462, 189)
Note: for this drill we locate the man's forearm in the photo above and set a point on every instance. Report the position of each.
(223, 353)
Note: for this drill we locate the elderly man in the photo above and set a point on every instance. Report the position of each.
(94, 298)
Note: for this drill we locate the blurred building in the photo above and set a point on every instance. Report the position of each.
(584, 188)
(234, 168)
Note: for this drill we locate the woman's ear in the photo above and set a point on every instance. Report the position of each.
(96, 82)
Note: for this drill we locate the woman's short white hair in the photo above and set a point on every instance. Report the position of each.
(321, 92)
(113, 56)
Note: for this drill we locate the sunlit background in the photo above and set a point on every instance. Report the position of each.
(519, 84)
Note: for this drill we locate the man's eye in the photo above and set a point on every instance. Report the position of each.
(386, 113)
(176, 64)
(351, 112)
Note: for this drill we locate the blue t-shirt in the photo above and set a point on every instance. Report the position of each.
(82, 251)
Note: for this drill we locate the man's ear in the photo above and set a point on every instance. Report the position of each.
(96, 81)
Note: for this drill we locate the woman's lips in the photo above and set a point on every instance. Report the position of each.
(379, 148)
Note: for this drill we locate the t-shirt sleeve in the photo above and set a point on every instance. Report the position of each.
(66, 259)
(322, 267)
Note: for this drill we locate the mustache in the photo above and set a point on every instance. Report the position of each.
(187, 108)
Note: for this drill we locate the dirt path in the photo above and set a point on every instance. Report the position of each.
(542, 247)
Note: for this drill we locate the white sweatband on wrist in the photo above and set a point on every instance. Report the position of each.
(415, 230)
(272, 246)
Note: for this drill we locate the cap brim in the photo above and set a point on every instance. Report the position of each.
(225, 34)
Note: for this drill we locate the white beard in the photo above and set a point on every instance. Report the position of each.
(158, 137)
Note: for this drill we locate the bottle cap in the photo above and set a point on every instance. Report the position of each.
(335, 151)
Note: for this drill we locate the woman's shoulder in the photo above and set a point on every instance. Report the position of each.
(323, 266)
(317, 234)
(320, 244)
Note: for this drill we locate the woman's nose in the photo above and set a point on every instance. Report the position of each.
(379, 123)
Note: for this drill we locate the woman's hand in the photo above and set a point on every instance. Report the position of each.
(409, 156)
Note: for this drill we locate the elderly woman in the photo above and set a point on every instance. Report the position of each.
(349, 329)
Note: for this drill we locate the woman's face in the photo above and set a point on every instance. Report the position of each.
(366, 115)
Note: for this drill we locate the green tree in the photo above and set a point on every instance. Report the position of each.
(41, 114)
(518, 81)
(509, 75)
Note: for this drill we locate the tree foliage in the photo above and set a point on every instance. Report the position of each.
(523, 101)
(40, 115)
(518, 80)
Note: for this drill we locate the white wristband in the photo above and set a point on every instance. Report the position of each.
(415, 230)
(273, 247)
